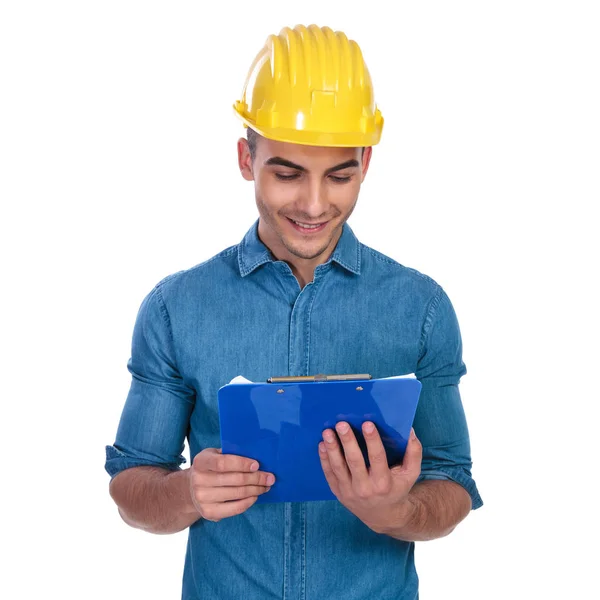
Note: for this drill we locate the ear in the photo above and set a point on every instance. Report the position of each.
(366, 161)
(244, 159)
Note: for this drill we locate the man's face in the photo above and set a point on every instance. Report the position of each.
(304, 193)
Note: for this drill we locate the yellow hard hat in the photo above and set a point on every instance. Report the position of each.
(310, 85)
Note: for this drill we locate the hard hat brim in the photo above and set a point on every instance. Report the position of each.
(317, 138)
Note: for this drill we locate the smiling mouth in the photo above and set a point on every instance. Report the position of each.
(307, 227)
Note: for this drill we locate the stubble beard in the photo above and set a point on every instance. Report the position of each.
(306, 255)
(271, 220)
(273, 224)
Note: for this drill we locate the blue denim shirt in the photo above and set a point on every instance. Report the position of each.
(243, 313)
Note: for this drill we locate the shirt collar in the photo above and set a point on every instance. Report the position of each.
(252, 253)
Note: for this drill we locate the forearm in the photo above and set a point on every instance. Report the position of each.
(432, 510)
(154, 499)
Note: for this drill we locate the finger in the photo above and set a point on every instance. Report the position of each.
(376, 451)
(411, 463)
(223, 463)
(226, 494)
(327, 470)
(222, 510)
(352, 452)
(336, 458)
(211, 479)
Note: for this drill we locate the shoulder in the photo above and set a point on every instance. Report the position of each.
(399, 283)
(190, 280)
(397, 275)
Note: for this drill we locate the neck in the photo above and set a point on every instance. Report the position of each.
(302, 268)
(303, 276)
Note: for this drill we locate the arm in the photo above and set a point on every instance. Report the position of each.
(432, 491)
(215, 487)
(154, 499)
(147, 483)
(148, 486)
(432, 510)
(440, 420)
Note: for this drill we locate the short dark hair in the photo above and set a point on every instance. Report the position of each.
(253, 136)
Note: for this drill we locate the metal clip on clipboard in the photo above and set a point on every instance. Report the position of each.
(320, 377)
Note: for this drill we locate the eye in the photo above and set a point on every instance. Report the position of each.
(283, 177)
(337, 179)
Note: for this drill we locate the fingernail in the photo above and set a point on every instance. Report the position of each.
(322, 448)
(254, 466)
(369, 427)
(328, 435)
(413, 435)
(342, 427)
(270, 480)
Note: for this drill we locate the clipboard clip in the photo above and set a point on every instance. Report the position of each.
(318, 378)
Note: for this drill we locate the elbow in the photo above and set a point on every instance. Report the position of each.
(124, 492)
(116, 491)
(142, 526)
(126, 519)
(118, 495)
(447, 531)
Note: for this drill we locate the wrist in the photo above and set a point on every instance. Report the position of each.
(401, 518)
(180, 485)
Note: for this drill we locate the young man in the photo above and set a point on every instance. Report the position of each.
(299, 295)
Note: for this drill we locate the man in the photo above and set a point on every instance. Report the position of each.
(299, 295)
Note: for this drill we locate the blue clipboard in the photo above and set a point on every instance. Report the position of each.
(281, 424)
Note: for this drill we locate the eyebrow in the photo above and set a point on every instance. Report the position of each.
(277, 160)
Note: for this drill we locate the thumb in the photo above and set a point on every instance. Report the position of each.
(411, 463)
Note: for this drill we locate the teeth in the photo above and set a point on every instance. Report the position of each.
(305, 226)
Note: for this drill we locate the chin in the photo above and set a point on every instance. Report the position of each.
(307, 251)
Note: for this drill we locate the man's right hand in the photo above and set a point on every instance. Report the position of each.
(224, 485)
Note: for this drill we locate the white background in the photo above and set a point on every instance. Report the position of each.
(118, 167)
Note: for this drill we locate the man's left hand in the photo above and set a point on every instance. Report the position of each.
(377, 495)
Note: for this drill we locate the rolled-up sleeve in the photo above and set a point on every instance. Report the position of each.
(440, 421)
(156, 414)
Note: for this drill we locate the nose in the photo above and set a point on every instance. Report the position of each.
(313, 202)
